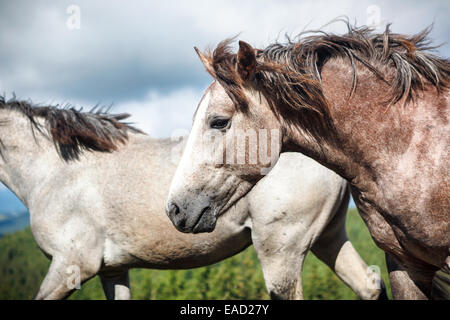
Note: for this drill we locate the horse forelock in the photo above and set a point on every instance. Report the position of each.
(224, 64)
(74, 131)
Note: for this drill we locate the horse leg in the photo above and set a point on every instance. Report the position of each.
(77, 257)
(62, 279)
(336, 251)
(281, 260)
(408, 282)
(351, 269)
(440, 287)
(116, 286)
(283, 275)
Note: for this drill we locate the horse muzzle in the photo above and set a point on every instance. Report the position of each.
(192, 216)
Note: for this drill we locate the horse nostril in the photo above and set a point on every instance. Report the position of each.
(205, 209)
(173, 209)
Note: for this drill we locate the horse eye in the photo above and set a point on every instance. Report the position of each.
(219, 123)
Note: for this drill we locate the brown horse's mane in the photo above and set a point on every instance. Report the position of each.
(72, 130)
(288, 74)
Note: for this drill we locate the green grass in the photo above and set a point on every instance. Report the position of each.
(23, 266)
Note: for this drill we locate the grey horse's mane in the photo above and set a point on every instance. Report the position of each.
(72, 130)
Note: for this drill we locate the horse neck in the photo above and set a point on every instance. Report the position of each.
(347, 149)
(369, 135)
(28, 160)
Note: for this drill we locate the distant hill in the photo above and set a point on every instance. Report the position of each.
(13, 222)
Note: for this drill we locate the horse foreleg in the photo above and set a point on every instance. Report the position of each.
(336, 251)
(408, 282)
(63, 277)
(116, 286)
(281, 261)
(283, 276)
(352, 270)
(54, 285)
(440, 289)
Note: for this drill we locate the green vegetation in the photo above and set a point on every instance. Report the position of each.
(23, 266)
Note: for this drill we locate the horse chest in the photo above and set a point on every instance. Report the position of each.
(398, 229)
(380, 230)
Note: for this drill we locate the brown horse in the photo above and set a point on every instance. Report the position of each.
(372, 107)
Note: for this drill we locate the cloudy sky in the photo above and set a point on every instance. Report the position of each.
(138, 55)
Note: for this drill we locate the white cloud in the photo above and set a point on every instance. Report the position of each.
(159, 115)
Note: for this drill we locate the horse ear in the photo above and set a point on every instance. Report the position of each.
(246, 61)
(206, 62)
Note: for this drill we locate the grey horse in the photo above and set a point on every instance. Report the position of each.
(96, 188)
